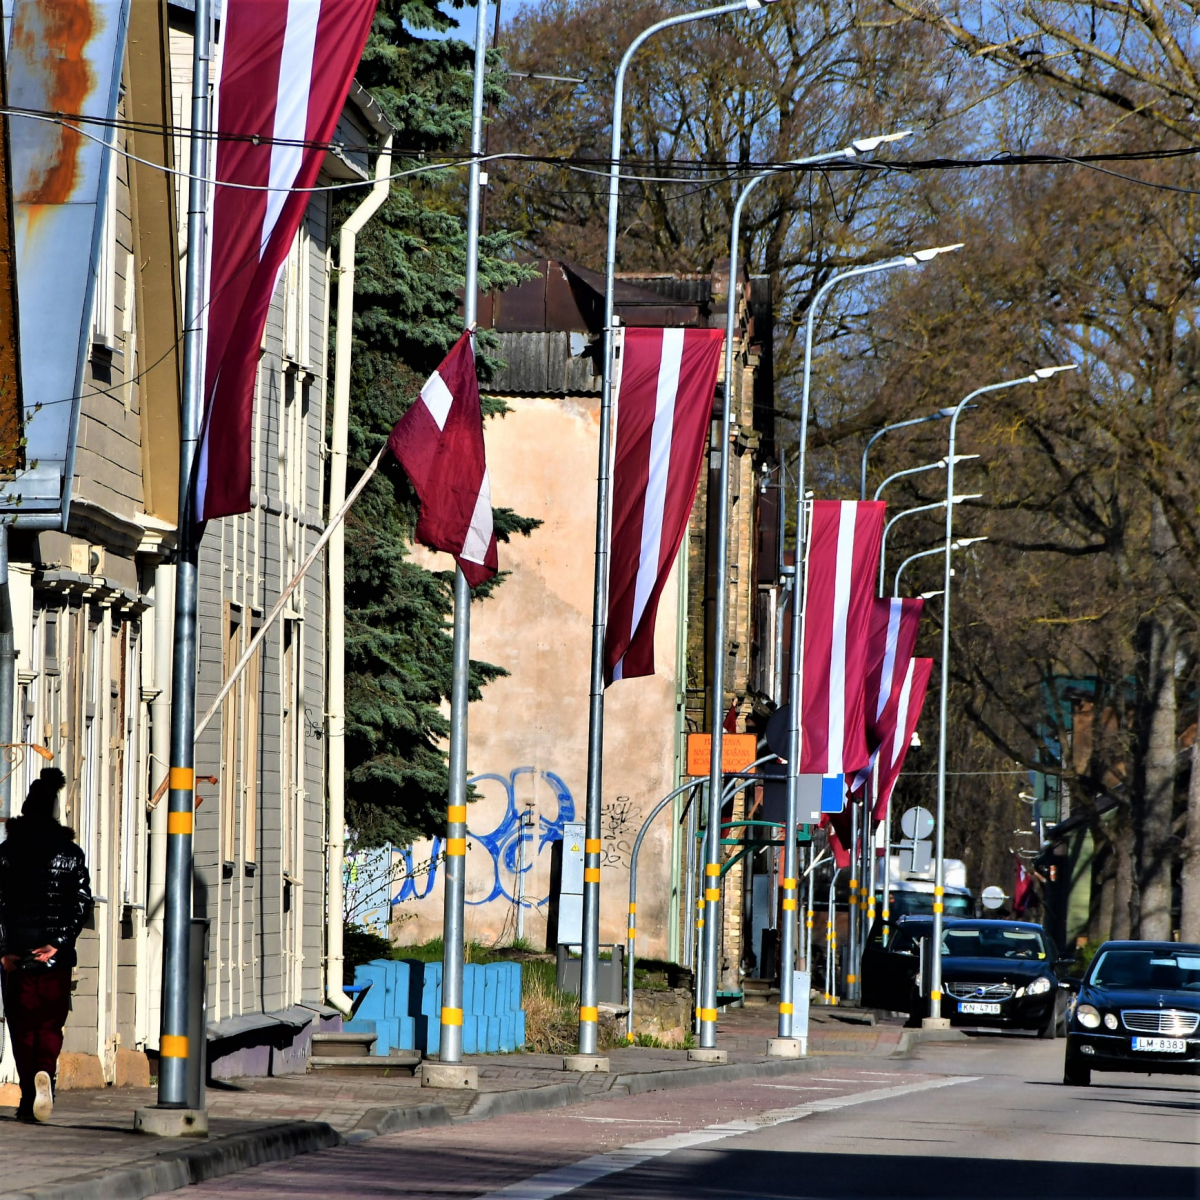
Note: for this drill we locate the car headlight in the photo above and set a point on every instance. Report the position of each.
(1110, 1020)
(1088, 1016)
(1038, 986)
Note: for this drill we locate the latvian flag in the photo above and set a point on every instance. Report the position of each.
(890, 646)
(908, 713)
(439, 443)
(286, 67)
(664, 406)
(843, 561)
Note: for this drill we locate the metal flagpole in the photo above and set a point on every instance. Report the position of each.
(449, 1071)
(587, 1059)
(173, 1046)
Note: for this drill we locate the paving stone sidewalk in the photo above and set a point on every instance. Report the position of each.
(90, 1150)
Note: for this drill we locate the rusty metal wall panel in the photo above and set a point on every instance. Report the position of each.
(65, 56)
(11, 454)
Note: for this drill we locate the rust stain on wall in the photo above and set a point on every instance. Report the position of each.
(54, 34)
(12, 455)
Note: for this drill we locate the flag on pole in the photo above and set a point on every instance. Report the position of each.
(439, 443)
(908, 713)
(664, 404)
(843, 562)
(286, 67)
(890, 646)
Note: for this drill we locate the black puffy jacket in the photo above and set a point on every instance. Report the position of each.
(45, 894)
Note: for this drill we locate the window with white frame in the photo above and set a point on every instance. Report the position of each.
(104, 325)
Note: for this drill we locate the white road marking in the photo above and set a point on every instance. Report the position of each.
(567, 1179)
(626, 1120)
(795, 1087)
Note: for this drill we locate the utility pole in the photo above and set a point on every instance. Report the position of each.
(172, 1117)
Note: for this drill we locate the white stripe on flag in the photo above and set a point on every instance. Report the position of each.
(902, 713)
(437, 398)
(479, 535)
(889, 656)
(847, 518)
(659, 469)
(291, 107)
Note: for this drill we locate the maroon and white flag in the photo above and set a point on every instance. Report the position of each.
(286, 67)
(439, 443)
(890, 646)
(664, 407)
(843, 562)
(908, 713)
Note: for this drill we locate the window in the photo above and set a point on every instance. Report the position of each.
(105, 302)
(296, 308)
(230, 713)
(250, 752)
(990, 942)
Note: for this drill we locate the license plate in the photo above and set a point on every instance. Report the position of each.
(1161, 1045)
(974, 1008)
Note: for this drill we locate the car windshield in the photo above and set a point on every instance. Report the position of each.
(1170, 970)
(920, 904)
(993, 943)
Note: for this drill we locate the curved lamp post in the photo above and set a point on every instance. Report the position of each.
(785, 1044)
(909, 512)
(707, 982)
(940, 465)
(940, 415)
(935, 1018)
(960, 544)
(587, 1059)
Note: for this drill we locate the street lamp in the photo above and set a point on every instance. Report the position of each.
(940, 465)
(787, 940)
(935, 1018)
(706, 1005)
(587, 1058)
(940, 415)
(909, 512)
(961, 544)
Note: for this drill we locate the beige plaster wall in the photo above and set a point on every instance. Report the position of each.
(528, 735)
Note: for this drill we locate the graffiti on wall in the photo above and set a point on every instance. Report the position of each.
(617, 829)
(502, 844)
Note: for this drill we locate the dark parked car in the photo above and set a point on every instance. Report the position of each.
(1137, 1010)
(995, 974)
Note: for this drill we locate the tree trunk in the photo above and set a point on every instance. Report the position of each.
(1104, 890)
(1189, 916)
(1122, 920)
(1154, 779)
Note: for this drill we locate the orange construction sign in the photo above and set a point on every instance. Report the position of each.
(738, 751)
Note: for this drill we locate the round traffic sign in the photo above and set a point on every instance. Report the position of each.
(917, 823)
(992, 897)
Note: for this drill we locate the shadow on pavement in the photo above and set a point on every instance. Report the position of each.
(759, 1175)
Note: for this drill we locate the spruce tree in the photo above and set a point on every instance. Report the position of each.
(411, 261)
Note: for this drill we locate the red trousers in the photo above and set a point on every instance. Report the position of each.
(36, 1004)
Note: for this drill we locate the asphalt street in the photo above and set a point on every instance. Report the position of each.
(989, 1118)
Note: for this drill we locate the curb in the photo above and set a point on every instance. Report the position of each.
(663, 1081)
(176, 1169)
(527, 1100)
(910, 1039)
(376, 1122)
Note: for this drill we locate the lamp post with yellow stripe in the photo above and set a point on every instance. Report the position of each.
(172, 1116)
(450, 1071)
(935, 1019)
(587, 1059)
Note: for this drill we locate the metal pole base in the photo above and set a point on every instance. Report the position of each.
(786, 1047)
(586, 1062)
(703, 1054)
(171, 1122)
(449, 1075)
(935, 1022)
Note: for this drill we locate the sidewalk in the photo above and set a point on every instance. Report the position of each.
(90, 1151)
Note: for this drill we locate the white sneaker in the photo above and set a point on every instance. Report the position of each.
(43, 1100)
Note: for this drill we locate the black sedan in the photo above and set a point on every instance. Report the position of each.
(1136, 1010)
(995, 974)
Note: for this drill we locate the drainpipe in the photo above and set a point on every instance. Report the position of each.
(8, 672)
(335, 677)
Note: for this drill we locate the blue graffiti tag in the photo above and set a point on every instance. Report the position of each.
(501, 843)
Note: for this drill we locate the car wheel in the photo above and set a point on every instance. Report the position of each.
(1075, 1074)
(1049, 1031)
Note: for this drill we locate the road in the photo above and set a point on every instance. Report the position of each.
(989, 1118)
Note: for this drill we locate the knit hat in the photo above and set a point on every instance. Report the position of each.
(43, 793)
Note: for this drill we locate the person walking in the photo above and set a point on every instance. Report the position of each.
(45, 898)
